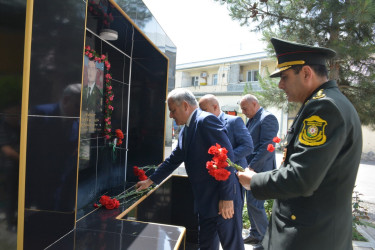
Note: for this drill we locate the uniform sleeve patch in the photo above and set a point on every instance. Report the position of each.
(312, 133)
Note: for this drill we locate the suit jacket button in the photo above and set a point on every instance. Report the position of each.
(293, 217)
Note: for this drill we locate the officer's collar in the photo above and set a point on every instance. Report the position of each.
(326, 85)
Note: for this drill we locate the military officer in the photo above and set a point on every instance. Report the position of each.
(313, 186)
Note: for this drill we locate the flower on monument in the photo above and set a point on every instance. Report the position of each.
(140, 173)
(120, 136)
(126, 197)
(220, 160)
(270, 146)
(107, 202)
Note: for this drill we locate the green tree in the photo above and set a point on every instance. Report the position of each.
(346, 26)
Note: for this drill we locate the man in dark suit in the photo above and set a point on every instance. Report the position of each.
(314, 185)
(218, 203)
(238, 134)
(263, 127)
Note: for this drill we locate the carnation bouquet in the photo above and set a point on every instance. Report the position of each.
(128, 195)
(217, 166)
(220, 160)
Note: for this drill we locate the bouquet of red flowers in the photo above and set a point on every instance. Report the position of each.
(220, 161)
(112, 203)
(127, 196)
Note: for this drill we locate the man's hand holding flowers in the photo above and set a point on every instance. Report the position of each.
(246, 176)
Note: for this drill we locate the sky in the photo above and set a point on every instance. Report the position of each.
(203, 29)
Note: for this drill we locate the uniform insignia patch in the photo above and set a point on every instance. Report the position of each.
(319, 95)
(312, 133)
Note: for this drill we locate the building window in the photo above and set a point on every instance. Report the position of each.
(214, 79)
(194, 81)
(252, 75)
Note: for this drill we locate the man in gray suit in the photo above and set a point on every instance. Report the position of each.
(263, 127)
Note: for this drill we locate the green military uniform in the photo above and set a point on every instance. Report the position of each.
(92, 102)
(313, 187)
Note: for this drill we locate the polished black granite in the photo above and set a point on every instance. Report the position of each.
(42, 228)
(171, 203)
(129, 235)
(12, 29)
(158, 222)
(51, 174)
(139, 85)
(56, 58)
(165, 219)
(52, 198)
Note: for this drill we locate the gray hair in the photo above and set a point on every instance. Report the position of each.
(180, 95)
(72, 89)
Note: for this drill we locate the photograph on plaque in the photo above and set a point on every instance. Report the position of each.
(92, 97)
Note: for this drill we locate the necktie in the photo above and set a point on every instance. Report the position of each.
(89, 92)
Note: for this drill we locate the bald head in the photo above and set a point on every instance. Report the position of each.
(209, 103)
(249, 105)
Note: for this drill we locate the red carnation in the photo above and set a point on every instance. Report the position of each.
(210, 165)
(112, 203)
(222, 164)
(135, 170)
(119, 134)
(276, 139)
(140, 173)
(214, 149)
(104, 200)
(270, 148)
(221, 174)
(142, 177)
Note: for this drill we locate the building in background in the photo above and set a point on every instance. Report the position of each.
(227, 78)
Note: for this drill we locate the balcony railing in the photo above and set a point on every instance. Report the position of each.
(231, 87)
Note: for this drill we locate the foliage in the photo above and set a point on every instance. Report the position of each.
(357, 236)
(346, 26)
(245, 217)
(359, 212)
(268, 207)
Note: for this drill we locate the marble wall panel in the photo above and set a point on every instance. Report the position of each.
(12, 28)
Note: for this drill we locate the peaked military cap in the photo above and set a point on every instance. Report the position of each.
(290, 54)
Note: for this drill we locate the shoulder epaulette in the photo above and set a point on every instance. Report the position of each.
(319, 94)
